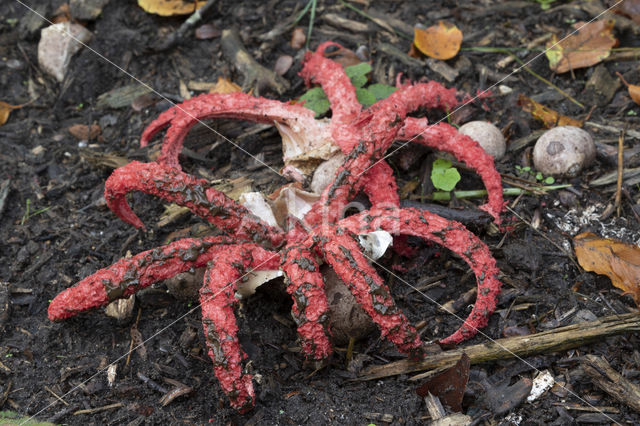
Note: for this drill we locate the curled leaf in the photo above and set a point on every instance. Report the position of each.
(440, 41)
(634, 91)
(170, 7)
(615, 259)
(5, 110)
(225, 86)
(549, 117)
(590, 45)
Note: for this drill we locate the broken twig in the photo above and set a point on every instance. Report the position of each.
(612, 382)
(555, 340)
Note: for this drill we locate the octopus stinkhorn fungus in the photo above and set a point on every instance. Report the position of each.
(248, 244)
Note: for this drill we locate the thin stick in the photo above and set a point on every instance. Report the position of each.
(48, 389)
(620, 167)
(98, 409)
(555, 340)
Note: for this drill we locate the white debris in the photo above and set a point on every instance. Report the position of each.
(304, 148)
(257, 204)
(542, 383)
(375, 243)
(58, 43)
(292, 201)
(577, 219)
(255, 280)
(326, 172)
(111, 374)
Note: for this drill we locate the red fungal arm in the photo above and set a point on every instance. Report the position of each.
(217, 299)
(451, 235)
(306, 286)
(344, 254)
(341, 93)
(380, 186)
(409, 98)
(445, 137)
(232, 105)
(196, 194)
(128, 275)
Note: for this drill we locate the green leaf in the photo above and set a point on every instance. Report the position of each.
(358, 74)
(316, 100)
(550, 180)
(365, 97)
(13, 418)
(381, 91)
(443, 176)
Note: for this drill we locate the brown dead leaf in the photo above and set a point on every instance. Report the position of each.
(5, 110)
(448, 384)
(345, 57)
(615, 259)
(440, 41)
(634, 91)
(225, 86)
(549, 117)
(84, 132)
(298, 38)
(590, 45)
(170, 7)
(62, 14)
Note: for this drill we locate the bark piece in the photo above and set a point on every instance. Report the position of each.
(612, 382)
(255, 75)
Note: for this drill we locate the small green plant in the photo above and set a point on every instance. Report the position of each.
(316, 100)
(526, 171)
(545, 4)
(311, 4)
(443, 176)
(29, 214)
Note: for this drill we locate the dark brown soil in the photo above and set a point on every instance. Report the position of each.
(55, 228)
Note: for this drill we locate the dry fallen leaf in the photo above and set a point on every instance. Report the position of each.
(549, 117)
(440, 41)
(615, 259)
(634, 91)
(5, 110)
(170, 7)
(590, 45)
(225, 86)
(84, 132)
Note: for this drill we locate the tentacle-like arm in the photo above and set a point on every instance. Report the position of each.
(445, 137)
(217, 299)
(310, 306)
(197, 194)
(344, 254)
(129, 275)
(451, 235)
(409, 98)
(233, 105)
(341, 93)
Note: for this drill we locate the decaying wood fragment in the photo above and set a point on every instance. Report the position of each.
(612, 382)
(255, 75)
(555, 340)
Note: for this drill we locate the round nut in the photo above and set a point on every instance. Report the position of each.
(487, 135)
(563, 151)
